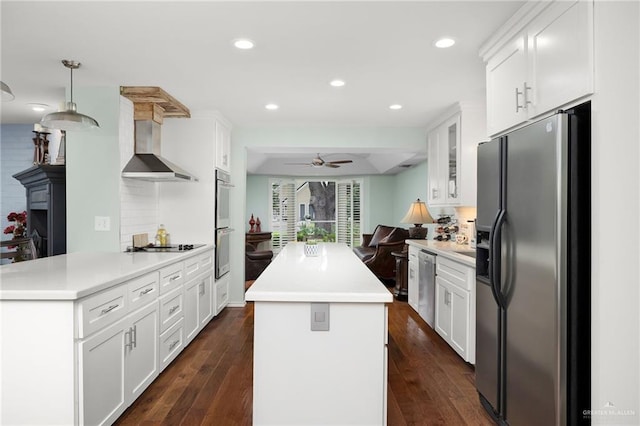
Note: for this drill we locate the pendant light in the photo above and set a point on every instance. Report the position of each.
(7, 94)
(70, 119)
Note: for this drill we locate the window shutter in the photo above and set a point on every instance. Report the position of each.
(283, 213)
(348, 229)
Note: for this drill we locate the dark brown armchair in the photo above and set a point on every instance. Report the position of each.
(375, 250)
(255, 261)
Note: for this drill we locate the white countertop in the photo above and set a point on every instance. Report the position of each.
(336, 275)
(76, 275)
(446, 249)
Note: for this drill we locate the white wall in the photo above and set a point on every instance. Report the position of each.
(615, 191)
(187, 208)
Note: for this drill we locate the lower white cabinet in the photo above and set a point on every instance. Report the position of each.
(221, 293)
(455, 306)
(172, 342)
(199, 302)
(116, 365)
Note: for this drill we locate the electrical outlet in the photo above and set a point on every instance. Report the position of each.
(102, 223)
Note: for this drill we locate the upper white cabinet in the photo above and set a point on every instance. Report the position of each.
(223, 146)
(540, 60)
(451, 149)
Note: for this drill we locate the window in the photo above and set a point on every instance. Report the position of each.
(326, 210)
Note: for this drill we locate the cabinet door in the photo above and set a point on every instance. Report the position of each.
(506, 75)
(435, 185)
(443, 309)
(459, 300)
(221, 293)
(141, 350)
(191, 310)
(561, 55)
(205, 300)
(450, 158)
(101, 369)
(223, 147)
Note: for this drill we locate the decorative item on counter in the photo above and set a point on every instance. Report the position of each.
(447, 229)
(258, 229)
(161, 236)
(311, 248)
(252, 223)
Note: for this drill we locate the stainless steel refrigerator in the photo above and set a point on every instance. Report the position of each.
(533, 272)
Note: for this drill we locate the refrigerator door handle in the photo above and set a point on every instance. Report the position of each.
(494, 256)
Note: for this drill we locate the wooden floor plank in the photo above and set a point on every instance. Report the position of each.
(210, 382)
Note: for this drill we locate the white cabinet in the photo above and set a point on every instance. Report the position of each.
(221, 293)
(455, 306)
(413, 279)
(223, 146)
(451, 156)
(199, 300)
(116, 364)
(545, 63)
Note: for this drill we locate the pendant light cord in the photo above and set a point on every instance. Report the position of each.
(71, 84)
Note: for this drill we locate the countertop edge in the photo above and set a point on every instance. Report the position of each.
(73, 295)
(446, 249)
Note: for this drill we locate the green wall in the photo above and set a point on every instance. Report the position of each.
(93, 173)
(402, 189)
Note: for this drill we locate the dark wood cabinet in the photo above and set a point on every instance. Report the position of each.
(46, 207)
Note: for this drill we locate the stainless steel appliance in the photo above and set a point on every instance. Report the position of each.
(222, 221)
(533, 272)
(223, 189)
(427, 286)
(165, 249)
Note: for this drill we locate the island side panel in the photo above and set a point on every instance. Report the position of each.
(333, 377)
(37, 363)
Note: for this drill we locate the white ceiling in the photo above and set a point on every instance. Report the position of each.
(383, 50)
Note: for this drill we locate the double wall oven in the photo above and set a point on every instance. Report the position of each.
(222, 222)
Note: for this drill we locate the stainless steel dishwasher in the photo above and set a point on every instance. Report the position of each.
(427, 286)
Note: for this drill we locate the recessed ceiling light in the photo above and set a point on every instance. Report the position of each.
(395, 106)
(445, 42)
(271, 107)
(243, 43)
(337, 83)
(38, 107)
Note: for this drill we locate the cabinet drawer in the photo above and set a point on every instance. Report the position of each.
(171, 343)
(171, 308)
(454, 272)
(171, 277)
(101, 309)
(143, 290)
(197, 265)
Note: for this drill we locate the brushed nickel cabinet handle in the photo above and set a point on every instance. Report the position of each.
(109, 309)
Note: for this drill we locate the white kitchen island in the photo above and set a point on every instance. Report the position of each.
(320, 340)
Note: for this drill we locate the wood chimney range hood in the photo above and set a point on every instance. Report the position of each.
(151, 105)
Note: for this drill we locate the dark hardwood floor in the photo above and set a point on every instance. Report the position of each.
(210, 382)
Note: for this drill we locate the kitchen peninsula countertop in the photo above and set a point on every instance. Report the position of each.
(335, 275)
(76, 275)
(446, 249)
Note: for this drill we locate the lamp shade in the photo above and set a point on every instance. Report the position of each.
(69, 119)
(417, 214)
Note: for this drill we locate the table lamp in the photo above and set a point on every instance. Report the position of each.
(417, 214)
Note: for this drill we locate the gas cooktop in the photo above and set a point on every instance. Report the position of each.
(161, 249)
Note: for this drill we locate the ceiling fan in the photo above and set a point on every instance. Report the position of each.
(319, 162)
